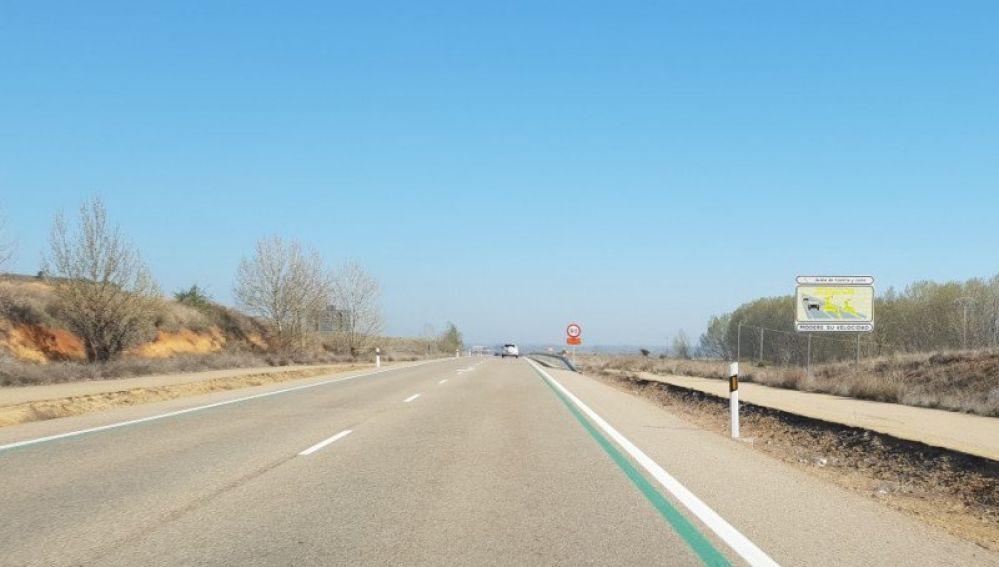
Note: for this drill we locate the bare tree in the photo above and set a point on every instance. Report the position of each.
(287, 286)
(681, 345)
(357, 293)
(104, 290)
(427, 337)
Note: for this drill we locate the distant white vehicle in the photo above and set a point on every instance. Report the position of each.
(510, 350)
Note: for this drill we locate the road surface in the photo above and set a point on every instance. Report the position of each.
(458, 462)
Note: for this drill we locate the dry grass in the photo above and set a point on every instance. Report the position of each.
(25, 302)
(21, 373)
(175, 317)
(955, 492)
(957, 381)
(78, 405)
(17, 373)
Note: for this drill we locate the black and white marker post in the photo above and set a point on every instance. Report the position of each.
(733, 397)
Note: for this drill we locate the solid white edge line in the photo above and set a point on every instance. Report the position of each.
(411, 398)
(200, 408)
(731, 536)
(325, 442)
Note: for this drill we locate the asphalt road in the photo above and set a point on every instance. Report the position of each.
(457, 462)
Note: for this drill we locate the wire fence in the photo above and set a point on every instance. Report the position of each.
(787, 348)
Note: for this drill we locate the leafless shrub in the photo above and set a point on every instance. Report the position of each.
(286, 286)
(105, 294)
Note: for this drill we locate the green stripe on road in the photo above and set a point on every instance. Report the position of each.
(690, 534)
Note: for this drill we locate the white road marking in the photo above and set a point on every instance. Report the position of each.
(200, 408)
(326, 442)
(442, 381)
(731, 536)
(411, 398)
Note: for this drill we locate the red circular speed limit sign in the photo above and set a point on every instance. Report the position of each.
(573, 330)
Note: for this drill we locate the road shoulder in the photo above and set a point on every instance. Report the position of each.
(796, 518)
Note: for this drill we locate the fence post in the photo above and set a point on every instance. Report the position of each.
(760, 359)
(733, 397)
(738, 343)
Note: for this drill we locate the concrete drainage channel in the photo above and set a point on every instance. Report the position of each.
(550, 360)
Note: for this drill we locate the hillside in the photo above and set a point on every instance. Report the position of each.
(31, 329)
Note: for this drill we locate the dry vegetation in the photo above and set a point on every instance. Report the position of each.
(16, 373)
(288, 287)
(78, 405)
(104, 292)
(965, 381)
(36, 349)
(95, 311)
(955, 492)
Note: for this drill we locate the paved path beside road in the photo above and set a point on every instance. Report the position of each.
(966, 433)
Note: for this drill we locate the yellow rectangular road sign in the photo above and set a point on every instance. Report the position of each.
(834, 306)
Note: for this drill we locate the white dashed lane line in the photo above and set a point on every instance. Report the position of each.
(411, 398)
(188, 411)
(324, 443)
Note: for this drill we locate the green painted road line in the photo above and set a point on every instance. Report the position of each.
(690, 534)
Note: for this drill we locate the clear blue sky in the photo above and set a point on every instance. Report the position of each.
(510, 166)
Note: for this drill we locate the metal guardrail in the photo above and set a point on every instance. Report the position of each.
(552, 360)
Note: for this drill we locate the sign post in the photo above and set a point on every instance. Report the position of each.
(733, 397)
(574, 334)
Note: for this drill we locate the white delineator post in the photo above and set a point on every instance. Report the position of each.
(378, 358)
(733, 397)
(457, 353)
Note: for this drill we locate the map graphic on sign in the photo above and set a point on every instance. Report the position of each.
(824, 306)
